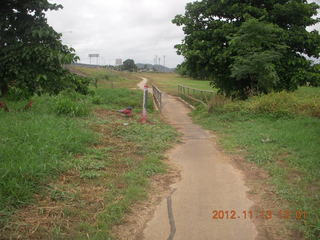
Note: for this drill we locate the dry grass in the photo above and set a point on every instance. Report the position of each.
(72, 199)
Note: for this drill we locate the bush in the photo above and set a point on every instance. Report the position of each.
(280, 104)
(305, 101)
(71, 104)
(17, 94)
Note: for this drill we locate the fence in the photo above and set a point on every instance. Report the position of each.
(157, 95)
(196, 95)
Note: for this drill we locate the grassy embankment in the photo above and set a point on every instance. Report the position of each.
(279, 132)
(71, 166)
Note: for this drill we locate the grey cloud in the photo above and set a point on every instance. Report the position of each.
(138, 29)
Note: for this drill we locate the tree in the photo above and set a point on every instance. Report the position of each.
(129, 65)
(248, 47)
(32, 55)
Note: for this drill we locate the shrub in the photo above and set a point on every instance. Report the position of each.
(96, 100)
(66, 106)
(282, 103)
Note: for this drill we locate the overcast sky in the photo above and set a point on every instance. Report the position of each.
(136, 29)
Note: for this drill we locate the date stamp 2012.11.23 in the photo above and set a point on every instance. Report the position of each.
(263, 214)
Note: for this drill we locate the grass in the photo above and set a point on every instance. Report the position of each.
(143, 160)
(107, 78)
(280, 135)
(168, 82)
(304, 101)
(35, 145)
(120, 98)
(73, 174)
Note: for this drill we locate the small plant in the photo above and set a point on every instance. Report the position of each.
(66, 106)
(90, 175)
(96, 100)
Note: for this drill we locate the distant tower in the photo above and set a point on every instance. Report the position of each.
(164, 60)
(118, 62)
(155, 60)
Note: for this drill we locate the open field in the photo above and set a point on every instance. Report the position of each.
(72, 167)
(169, 82)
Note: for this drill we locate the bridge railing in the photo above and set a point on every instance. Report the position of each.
(157, 95)
(196, 95)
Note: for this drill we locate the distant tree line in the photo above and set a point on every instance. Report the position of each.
(250, 47)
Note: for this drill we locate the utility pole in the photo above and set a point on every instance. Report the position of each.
(164, 60)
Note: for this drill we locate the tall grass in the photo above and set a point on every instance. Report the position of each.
(118, 98)
(305, 101)
(35, 145)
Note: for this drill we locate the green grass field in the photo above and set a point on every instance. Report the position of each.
(169, 82)
(34, 146)
(109, 78)
(84, 140)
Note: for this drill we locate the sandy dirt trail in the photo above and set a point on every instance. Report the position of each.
(208, 182)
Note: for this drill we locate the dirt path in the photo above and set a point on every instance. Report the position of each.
(209, 182)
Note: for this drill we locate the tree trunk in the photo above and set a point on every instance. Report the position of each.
(4, 89)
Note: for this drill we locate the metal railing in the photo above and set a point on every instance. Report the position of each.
(197, 95)
(157, 95)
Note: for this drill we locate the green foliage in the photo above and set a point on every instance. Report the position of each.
(71, 104)
(31, 52)
(65, 106)
(247, 48)
(304, 101)
(312, 77)
(96, 100)
(257, 49)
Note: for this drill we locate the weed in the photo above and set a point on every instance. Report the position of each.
(96, 100)
(67, 106)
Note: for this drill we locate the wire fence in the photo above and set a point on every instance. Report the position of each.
(157, 95)
(196, 95)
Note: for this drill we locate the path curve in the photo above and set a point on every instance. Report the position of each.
(208, 182)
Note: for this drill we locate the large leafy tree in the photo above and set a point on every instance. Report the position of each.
(248, 47)
(32, 56)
